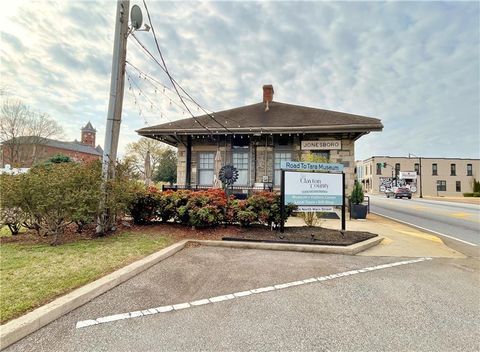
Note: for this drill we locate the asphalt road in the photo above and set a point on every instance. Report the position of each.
(456, 220)
(412, 307)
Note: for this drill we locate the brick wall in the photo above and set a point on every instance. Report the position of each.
(261, 157)
(27, 155)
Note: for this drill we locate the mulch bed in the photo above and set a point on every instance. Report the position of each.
(302, 235)
(257, 233)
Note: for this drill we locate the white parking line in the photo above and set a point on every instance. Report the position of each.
(164, 309)
(425, 229)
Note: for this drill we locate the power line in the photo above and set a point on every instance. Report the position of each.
(157, 88)
(152, 104)
(151, 56)
(174, 82)
(164, 66)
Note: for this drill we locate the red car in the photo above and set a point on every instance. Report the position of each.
(399, 192)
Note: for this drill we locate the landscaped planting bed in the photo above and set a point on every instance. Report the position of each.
(301, 235)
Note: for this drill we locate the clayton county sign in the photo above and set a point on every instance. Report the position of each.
(310, 188)
(322, 145)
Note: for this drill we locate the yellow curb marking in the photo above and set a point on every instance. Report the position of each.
(460, 215)
(386, 241)
(421, 235)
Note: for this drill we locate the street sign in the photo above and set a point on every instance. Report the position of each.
(314, 208)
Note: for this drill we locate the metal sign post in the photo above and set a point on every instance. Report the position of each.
(343, 202)
(282, 201)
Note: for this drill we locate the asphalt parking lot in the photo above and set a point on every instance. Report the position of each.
(430, 305)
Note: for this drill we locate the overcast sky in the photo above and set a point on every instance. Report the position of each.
(414, 65)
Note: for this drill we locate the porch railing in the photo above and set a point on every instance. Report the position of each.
(240, 192)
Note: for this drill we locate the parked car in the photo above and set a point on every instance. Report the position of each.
(400, 192)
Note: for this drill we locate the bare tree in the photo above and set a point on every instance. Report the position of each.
(137, 152)
(42, 126)
(13, 124)
(19, 125)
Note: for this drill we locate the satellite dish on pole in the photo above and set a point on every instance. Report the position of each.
(136, 17)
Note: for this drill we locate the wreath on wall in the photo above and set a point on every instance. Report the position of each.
(228, 175)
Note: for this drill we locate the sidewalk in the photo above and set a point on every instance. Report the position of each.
(400, 240)
(464, 200)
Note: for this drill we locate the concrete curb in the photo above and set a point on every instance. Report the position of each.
(349, 250)
(17, 329)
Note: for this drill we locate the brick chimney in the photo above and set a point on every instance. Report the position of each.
(267, 93)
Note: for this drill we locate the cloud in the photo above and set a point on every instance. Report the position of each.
(412, 64)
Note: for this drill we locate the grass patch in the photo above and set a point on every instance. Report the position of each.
(32, 275)
(5, 231)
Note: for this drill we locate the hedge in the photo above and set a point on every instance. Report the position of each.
(474, 194)
(207, 208)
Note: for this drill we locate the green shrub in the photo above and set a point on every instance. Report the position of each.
(207, 208)
(476, 186)
(473, 194)
(143, 208)
(50, 197)
(246, 217)
(11, 213)
(357, 195)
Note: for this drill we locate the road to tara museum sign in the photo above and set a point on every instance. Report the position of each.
(312, 185)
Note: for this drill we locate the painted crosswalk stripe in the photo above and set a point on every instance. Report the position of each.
(260, 290)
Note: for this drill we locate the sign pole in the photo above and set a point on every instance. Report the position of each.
(343, 202)
(282, 201)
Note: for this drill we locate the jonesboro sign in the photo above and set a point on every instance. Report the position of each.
(322, 145)
(312, 185)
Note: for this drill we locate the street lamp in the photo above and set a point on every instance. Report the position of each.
(419, 171)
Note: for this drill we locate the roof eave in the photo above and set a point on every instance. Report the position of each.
(249, 130)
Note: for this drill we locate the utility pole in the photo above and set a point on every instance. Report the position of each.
(114, 115)
(419, 172)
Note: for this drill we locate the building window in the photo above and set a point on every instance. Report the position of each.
(240, 161)
(441, 186)
(417, 168)
(469, 170)
(206, 163)
(325, 154)
(453, 170)
(379, 168)
(279, 157)
(434, 170)
(458, 186)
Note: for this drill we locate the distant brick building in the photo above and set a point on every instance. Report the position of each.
(27, 150)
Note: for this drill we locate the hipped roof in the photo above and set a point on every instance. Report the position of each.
(280, 117)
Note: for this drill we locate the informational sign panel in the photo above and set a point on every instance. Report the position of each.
(322, 145)
(303, 166)
(313, 188)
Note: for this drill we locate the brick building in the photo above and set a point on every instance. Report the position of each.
(431, 176)
(25, 151)
(257, 138)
